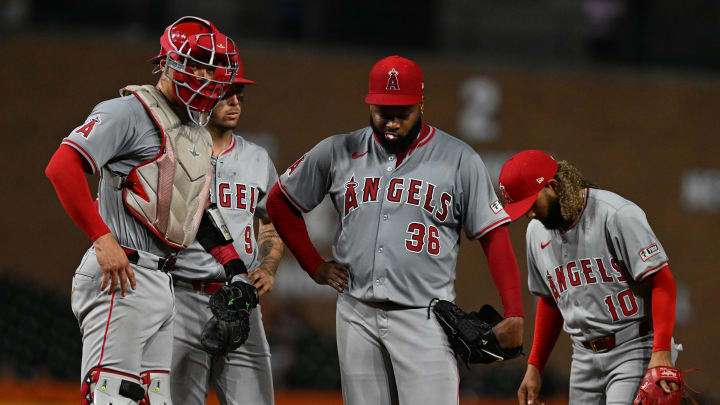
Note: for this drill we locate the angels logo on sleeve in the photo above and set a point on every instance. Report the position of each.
(87, 128)
(295, 165)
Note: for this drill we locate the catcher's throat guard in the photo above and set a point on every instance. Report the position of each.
(470, 334)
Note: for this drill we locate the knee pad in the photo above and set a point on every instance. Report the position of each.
(157, 384)
(108, 387)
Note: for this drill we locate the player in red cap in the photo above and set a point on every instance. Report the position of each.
(600, 270)
(403, 190)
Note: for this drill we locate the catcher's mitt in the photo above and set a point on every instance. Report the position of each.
(229, 328)
(231, 301)
(651, 393)
(471, 335)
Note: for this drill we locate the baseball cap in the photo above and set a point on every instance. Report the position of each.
(521, 179)
(239, 77)
(395, 81)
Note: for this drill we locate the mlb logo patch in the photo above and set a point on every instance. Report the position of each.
(496, 207)
(649, 252)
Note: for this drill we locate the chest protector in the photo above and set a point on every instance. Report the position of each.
(169, 192)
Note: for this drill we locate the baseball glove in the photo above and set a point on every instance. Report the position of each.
(231, 301)
(651, 393)
(221, 337)
(229, 327)
(471, 335)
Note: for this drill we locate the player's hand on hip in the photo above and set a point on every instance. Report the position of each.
(263, 280)
(662, 358)
(529, 390)
(333, 274)
(114, 264)
(509, 332)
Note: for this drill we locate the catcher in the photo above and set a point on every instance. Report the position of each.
(600, 270)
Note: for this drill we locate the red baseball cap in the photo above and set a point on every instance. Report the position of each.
(521, 179)
(239, 78)
(395, 81)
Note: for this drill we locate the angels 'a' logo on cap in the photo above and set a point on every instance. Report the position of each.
(393, 83)
(540, 180)
(505, 194)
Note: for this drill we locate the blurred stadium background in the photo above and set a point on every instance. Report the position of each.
(628, 90)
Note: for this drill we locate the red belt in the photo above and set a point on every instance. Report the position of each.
(605, 343)
(203, 286)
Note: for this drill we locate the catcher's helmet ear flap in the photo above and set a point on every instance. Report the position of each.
(201, 62)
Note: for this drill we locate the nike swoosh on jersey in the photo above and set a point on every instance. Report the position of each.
(357, 155)
(544, 245)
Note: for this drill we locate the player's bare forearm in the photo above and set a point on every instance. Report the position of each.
(271, 250)
(271, 247)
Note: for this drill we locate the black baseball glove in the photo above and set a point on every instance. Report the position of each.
(471, 335)
(222, 337)
(229, 327)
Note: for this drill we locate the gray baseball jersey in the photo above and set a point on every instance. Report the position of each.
(117, 136)
(399, 228)
(242, 176)
(594, 270)
(129, 334)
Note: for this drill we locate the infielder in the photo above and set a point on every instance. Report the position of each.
(154, 162)
(403, 190)
(242, 175)
(600, 270)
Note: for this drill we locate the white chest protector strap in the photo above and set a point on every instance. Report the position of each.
(168, 193)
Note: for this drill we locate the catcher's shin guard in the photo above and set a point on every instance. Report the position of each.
(109, 387)
(157, 383)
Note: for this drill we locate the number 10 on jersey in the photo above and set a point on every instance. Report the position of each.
(422, 236)
(626, 299)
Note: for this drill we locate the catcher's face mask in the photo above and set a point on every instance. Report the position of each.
(201, 62)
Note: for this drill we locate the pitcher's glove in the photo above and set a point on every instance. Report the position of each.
(471, 335)
(229, 327)
(651, 393)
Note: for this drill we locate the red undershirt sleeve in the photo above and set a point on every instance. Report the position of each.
(504, 269)
(548, 324)
(67, 176)
(291, 227)
(664, 295)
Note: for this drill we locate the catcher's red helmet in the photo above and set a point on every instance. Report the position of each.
(195, 41)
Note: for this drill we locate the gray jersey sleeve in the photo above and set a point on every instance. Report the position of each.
(479, 206)
(635, 243)
(272, 177)
(107, 132)
(308, 180)
(536, 283)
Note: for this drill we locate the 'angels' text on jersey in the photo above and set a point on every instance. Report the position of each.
(237, 196)
(415, 192)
